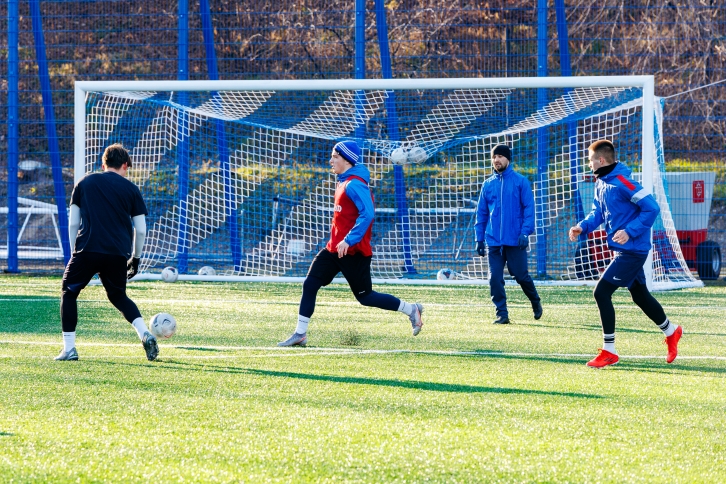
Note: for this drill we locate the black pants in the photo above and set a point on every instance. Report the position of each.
(111, 269)
(603, 293)
(357, 271)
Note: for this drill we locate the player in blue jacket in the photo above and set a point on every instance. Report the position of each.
(628, 212)
(505, 220)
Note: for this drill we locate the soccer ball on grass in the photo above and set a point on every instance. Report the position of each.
(163, 325)
(169, 274)
(207, 271)
(445, 274)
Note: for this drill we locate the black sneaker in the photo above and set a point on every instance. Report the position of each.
(70, 355)
(537, 309)
(152, 349)
(502, 320)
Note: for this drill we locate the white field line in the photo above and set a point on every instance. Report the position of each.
(217, 302)
(289, 352)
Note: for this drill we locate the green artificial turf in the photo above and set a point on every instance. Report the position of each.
(465, 401)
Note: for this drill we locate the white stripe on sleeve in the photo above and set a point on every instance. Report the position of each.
(639, 196)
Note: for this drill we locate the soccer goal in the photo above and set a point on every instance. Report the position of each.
(236, 176)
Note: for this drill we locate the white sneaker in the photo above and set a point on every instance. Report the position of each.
(415, 318)
(296, 339)
(70, 355)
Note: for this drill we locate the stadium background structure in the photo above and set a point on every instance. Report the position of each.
(51, 44)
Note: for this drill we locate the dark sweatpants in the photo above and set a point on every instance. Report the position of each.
(516, 261)
(357, 271)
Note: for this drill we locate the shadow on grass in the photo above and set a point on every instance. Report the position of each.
(656, 366)
(505, 356)
(408, 384)
(647, 329)
(6, 434)
(663, 367)
(199, 348)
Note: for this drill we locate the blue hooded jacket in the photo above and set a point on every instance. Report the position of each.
(360, 195)
(505, 210)
(622, 203)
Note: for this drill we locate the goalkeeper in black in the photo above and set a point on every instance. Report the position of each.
(107, 228)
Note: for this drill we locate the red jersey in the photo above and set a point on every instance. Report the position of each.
(345, 214)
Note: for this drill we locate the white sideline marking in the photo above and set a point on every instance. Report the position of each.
(216, 302)
(328, 351)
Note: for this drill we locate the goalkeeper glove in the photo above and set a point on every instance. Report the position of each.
(481, 249)
(523, 242)
(132, 267)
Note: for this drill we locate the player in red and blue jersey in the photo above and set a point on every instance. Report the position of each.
(349, 248)
(628, 212)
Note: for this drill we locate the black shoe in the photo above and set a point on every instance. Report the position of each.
(537, 309)
(502, 320)
(150, 346)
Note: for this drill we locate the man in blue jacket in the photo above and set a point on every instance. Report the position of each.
(505, 220)
(628, 212)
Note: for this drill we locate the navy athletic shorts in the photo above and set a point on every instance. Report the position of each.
(355, 268)
(625, 269)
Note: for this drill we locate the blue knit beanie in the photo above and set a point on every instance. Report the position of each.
(348, 150)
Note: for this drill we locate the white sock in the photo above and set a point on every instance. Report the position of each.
(609, 343)
(302, 324)
(69, 340)
(405, 308)
(668, 328)
(140, 327)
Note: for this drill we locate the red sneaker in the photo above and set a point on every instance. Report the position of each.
(603, 359)
(672, 342)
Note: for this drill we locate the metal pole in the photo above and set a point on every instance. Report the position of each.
(360, 39)
(360, 64)
(182, 154)
(369, 84)
(231, 214)
(566, 70)
(648, 151)
(542, 139)
(12, 223)
(48, 111)
(394, 135)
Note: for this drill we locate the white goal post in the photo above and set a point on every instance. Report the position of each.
(235, 172)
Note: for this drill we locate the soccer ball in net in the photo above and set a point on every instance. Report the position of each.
(445, 274)
(169, 274)
(417, 155)
(207, 271)
(398, 156)
(163, 325)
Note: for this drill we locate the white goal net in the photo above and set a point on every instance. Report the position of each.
(235, 174)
